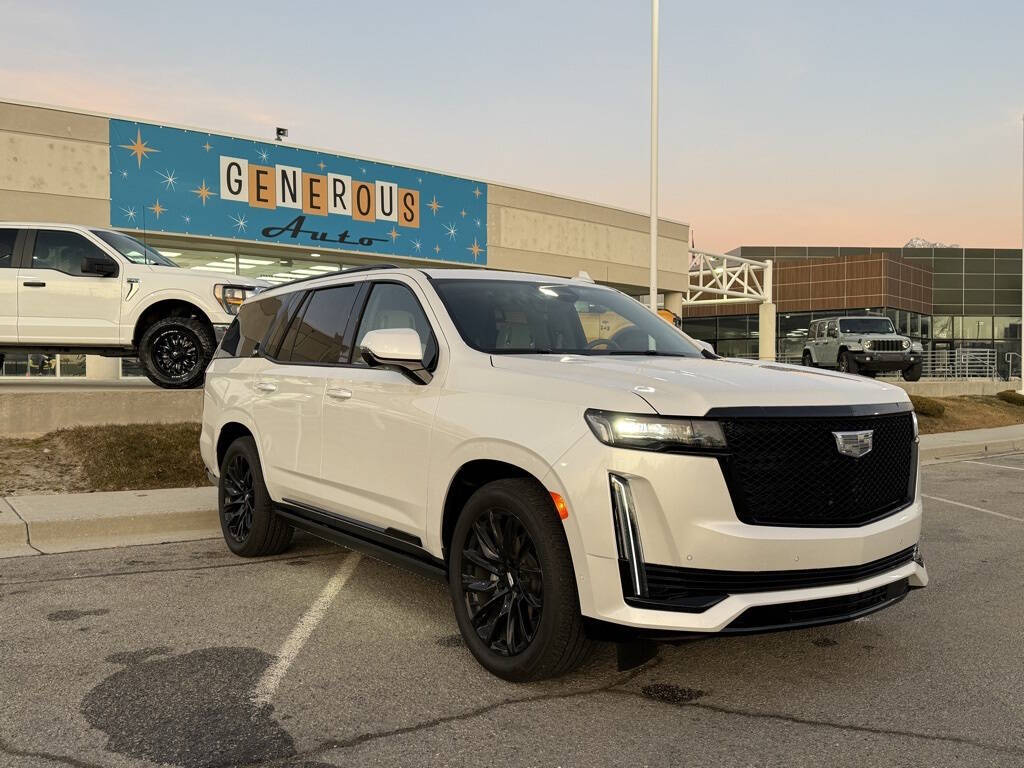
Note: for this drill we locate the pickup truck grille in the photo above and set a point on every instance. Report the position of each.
(886, 345)
(788, 470)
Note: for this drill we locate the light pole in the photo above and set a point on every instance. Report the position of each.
(654, 156)
(1021, 390)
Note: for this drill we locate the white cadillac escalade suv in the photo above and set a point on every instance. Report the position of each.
(573, 466)
(72, 289)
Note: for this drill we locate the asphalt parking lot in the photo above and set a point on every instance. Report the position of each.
(183, 655)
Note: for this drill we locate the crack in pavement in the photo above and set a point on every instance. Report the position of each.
(108, 574)
(10, 749)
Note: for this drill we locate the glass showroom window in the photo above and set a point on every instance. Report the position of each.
(977, 327)
(1007, 327)
(942, 327)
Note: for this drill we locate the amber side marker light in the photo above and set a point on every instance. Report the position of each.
(560, 505)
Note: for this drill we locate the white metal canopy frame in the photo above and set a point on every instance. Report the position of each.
(717, 278)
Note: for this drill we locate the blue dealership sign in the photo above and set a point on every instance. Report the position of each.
(195, 183)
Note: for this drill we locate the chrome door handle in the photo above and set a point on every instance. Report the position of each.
(339, 393)
(34, 284)
(266, 386)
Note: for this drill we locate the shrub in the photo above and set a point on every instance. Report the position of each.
(1011, 396)
(927, 406)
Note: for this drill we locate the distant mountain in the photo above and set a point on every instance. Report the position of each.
(920, 242)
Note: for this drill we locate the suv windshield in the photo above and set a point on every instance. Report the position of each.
(520, 317)
(866, 325)
(132, 249)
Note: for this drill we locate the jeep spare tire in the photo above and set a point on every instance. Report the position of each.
(175, 351)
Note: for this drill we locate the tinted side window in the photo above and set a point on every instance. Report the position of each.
(63, 252)
(229, 344)
(392, 305)
(255, 319)
(7, 238)
(318, 336)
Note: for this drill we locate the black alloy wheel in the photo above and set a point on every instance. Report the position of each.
(239, 498)
(176, 353)
(502, 582)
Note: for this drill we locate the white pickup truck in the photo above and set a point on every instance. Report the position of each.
(73, 289)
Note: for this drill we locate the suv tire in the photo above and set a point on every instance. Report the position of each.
(247, 519)
(846, 363)
(175, 351)
(808, 360)
(913, 373)
(510, 576)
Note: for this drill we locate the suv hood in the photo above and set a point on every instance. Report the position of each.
(684, 386)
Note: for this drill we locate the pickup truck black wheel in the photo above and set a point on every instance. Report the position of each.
(247, 519)
(808, 360)
(846, 363)
(913, 373)
(175, 351)
(512, 583)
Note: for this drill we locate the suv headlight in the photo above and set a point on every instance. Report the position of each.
(656, 433)
(867, 344)
(231, 296)
(906, 343)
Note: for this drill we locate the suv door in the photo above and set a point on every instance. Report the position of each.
(828, 353)
(377, 422)
(59, 300)
(8, 286)
(289, 385)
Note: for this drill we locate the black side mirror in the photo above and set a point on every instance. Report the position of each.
(98, 265)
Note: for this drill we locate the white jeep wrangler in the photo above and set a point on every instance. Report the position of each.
(72, 289)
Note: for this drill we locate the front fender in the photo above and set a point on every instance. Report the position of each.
(135, 307)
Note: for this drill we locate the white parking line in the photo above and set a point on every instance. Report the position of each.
(271, 679)
(968, 506)
(1000, 466)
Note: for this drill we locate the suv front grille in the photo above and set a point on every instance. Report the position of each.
(788, 471)
(886, 345)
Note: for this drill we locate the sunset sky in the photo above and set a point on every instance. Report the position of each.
(793, 123)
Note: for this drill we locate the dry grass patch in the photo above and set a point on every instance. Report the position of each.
(970, 412)
(106, 458)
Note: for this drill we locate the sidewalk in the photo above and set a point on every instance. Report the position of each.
(950, 446)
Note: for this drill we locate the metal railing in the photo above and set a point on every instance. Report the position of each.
(961, 363)
(1009, 363)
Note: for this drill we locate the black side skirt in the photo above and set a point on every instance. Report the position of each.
(389, 545)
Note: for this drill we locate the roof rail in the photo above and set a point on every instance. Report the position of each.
(349, 271)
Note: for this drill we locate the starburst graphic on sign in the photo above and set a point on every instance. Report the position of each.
(203, 192)
(475, 249)
(477, 222)
(477, 193)
(463, 213)
(157, 209)
(187, 219)
(139, 148)
(168, 179)
(124, 174)
(207, 146)
(434, 206)
(321, 165)
(437, 249)
(416, 245)
(129, 213)
(240, 222)
(263, 155)
(394, 234)
(451, 231)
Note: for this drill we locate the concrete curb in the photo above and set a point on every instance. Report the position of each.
(13, 533)
(77, 521)
(971, 444)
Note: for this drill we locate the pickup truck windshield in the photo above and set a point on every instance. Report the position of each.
(526, 317)
(866, 325)
(132, 249)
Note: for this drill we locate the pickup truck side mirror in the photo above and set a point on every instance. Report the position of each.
(98, 265)
(398, 349)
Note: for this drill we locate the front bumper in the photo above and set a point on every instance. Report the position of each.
(686, 521)
(886, 361)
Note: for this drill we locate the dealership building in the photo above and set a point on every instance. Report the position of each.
(948, 298)
(246, 206)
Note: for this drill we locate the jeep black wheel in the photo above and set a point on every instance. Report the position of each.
(846, 363)
(247, 518)
(512, 583)
(913, 373)
(808, 360)
(175, 351)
